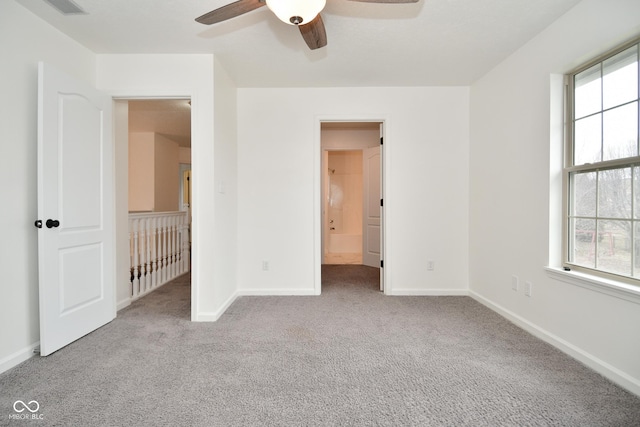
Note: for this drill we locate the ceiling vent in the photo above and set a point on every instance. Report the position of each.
(66, 7)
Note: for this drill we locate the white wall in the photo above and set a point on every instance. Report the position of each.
(121, 157)
(179, 76)
(514, 185)
(225, 187)
(24, 40)
(426, 200)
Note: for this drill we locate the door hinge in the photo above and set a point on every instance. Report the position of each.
(381, 263)
(381, 202)
(381, 141)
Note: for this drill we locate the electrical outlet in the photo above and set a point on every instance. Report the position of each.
(514, 283)
(430, 265)
(265, 265)
(528, 288)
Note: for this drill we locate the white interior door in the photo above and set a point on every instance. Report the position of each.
(75, 205)
(371, 232)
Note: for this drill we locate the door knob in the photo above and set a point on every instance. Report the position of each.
(52, 223)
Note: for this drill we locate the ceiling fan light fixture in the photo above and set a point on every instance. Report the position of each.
(296, 12)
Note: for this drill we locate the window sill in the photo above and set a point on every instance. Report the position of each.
(598, 284)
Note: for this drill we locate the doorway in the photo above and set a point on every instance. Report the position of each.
(159, 158)
(351, 193)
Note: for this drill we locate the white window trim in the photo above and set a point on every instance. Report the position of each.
(596, 283)
(598, 280)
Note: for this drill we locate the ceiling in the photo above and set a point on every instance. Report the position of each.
(168, 117)
(428, 43)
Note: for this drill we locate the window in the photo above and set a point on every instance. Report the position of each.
(602, 170)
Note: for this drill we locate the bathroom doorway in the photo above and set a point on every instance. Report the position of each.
(351, 193)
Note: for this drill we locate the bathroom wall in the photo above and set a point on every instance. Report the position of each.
(345, 201)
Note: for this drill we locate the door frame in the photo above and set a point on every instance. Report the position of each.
(121, 236)
(184, 167)
(385, 247)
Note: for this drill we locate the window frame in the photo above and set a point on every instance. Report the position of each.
(569, 168)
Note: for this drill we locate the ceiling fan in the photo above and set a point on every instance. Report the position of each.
(305, 14)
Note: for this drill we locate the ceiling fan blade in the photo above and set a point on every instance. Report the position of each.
(314, 33)
(229, 11)
(387, 1)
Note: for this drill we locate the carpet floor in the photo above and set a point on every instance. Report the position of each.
(350, 357)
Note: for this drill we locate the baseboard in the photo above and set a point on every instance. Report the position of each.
(123, 303)
(214, 316)
(277, 292)
(18, 357)
(206, 317)
(430, 292)
(615, 375)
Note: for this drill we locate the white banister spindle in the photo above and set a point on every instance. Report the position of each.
(180, 249)
(154, 252)
(165, 249)
(130, 255)
(141, 240)
(159, 249)
(172, 242)
(136, 264)
(141, 252)
(147, 257)
(181, 232)
(169, 248)
(185, 243)
(176, 248)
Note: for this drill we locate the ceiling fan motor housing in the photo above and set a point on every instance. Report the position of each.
(296, 12)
